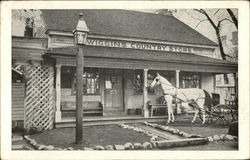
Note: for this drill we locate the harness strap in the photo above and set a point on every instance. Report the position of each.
(175, 96)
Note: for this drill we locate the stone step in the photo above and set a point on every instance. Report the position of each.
(158, 132)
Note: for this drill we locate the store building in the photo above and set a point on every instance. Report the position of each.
(124, 51)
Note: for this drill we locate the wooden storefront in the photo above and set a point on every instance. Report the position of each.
(118, 77)
(118, 64)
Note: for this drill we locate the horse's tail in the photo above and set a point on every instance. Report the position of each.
(208, 100)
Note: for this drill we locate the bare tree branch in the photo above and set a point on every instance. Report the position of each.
(216, 12)
(217, 31)
(225, 19)
(198, 19)
(208, 17)
(235, 20)
(199, 10)
(200, 22)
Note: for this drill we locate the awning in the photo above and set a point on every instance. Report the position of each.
(103, 57)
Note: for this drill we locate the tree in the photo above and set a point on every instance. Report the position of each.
(217, 27)
(28, 17)
(233, 17)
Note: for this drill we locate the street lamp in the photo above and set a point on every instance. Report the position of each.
(80, 37)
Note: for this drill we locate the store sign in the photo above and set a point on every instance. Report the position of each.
(138, 45)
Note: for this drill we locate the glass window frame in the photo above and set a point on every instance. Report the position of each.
(189, 76)
(88, 74)
(138, 76)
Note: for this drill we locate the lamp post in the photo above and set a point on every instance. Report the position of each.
(80, 37)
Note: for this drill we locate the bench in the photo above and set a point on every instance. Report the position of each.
(89, 108)
(155, 107)
(161, 104)
(135, 111)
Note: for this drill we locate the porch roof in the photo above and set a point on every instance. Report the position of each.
(142, 59)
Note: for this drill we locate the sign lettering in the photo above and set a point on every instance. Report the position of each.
(138, 45)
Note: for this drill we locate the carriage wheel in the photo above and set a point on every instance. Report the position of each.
(234, 113)
(220, 113)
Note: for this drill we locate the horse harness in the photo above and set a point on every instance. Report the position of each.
(174, 94)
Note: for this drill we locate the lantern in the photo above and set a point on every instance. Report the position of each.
(81, 31)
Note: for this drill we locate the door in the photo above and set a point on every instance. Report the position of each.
(113, 95)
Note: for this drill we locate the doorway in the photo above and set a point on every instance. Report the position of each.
(113, 93)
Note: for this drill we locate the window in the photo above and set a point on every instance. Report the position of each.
(190, 80)
(226, 80)
(150, 80)
(138, 83)
(235, 37)
(67, 74)
(90, 81)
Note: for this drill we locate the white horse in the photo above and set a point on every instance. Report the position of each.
(196, 98)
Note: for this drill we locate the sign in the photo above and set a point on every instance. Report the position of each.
(138, 45)
(108, 85)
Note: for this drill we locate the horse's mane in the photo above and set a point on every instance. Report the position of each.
(165, 80)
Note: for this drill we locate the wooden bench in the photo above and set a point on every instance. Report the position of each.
(135, 111)
(89, 107)
(160, 103)
(155, 107)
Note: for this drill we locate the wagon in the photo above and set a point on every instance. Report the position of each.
(222, 113)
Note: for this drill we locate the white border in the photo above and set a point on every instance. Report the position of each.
(6, 152)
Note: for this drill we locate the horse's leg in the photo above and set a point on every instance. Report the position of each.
(169, 99)
(200, 103)
(195, 114)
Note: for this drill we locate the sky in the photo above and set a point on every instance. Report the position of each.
(192, 18)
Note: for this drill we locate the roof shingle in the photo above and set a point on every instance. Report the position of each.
(126, 23)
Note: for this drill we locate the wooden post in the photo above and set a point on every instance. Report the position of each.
(177, 85)
(79, 94)
(145, 93)
(235, 83)
(58, 115)
(177, 77)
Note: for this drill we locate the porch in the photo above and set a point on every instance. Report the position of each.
(108, 92)
(105, 120)
(120, 84)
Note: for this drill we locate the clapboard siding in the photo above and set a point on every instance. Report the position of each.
(18, 101)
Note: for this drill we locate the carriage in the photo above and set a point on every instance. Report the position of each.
(207, 105)
(222, 113)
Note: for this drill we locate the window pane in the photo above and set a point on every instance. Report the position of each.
(90, 82)
(190, 80)
(138, 83)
